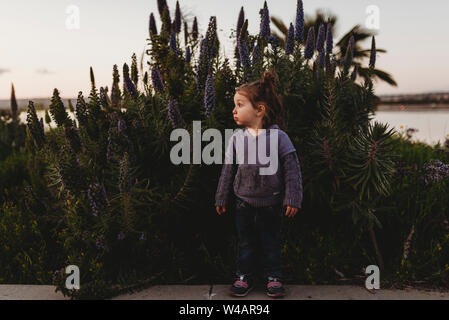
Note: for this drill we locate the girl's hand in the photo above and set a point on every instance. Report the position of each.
(291, 211)
(220, 209)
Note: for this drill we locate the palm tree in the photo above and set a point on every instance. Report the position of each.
(359, 34)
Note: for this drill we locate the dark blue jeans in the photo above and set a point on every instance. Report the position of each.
(259, 226)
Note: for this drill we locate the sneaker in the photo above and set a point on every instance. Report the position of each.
(275, 288)
(242, 286)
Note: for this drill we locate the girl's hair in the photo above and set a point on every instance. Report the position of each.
(263, 91)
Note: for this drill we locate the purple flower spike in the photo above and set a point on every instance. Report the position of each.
(153, 27)
(173, 46)
(97, 197)
(265, 23)
(188, 54)
(157, 79)
(320, 40)
(329, 39)
(352, 44)
(310, 44)
(195, 29)
(203, 65)
(321, 59)
(243, 52)
(255, 54)
(103, 97)
(161, 4)
(130, 88)
(177, 21)
(349, 53)
(290, 45)
(299, 30)
(372, 59)
(35, 126)
(240, 21)
(174, 114)
(72, 136)
(209, 95)
(274, 41)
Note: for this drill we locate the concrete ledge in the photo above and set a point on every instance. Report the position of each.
(172, 292)
(220, 292)
(294, 292)
(335, 292)
(30, 292)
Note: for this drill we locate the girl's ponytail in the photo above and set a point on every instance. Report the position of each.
(268, 79)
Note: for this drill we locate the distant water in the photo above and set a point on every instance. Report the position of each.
(41, 114)
(38, 102)
(432, 126)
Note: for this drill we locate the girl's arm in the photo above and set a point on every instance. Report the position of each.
(291, 171)
(225, 184)
(228, 172)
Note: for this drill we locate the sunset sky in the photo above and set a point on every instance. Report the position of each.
(39, 53)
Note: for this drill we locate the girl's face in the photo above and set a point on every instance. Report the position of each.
(245, 114)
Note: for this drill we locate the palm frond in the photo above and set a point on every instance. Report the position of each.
(280, 25)
(376, 73)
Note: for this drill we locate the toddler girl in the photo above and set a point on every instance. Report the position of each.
(260, 198)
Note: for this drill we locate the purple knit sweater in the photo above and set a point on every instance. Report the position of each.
(245, 181)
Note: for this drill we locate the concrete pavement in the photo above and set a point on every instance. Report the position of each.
(220, 292)
(29, 292)
(294, 292)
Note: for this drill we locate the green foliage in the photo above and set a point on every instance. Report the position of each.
(22, 247)
(13, 171)
(58, 111)
(12, 135)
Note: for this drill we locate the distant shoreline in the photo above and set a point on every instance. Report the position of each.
(39, 103)
(412, 107)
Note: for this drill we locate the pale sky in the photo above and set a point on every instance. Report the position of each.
(39, 53)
